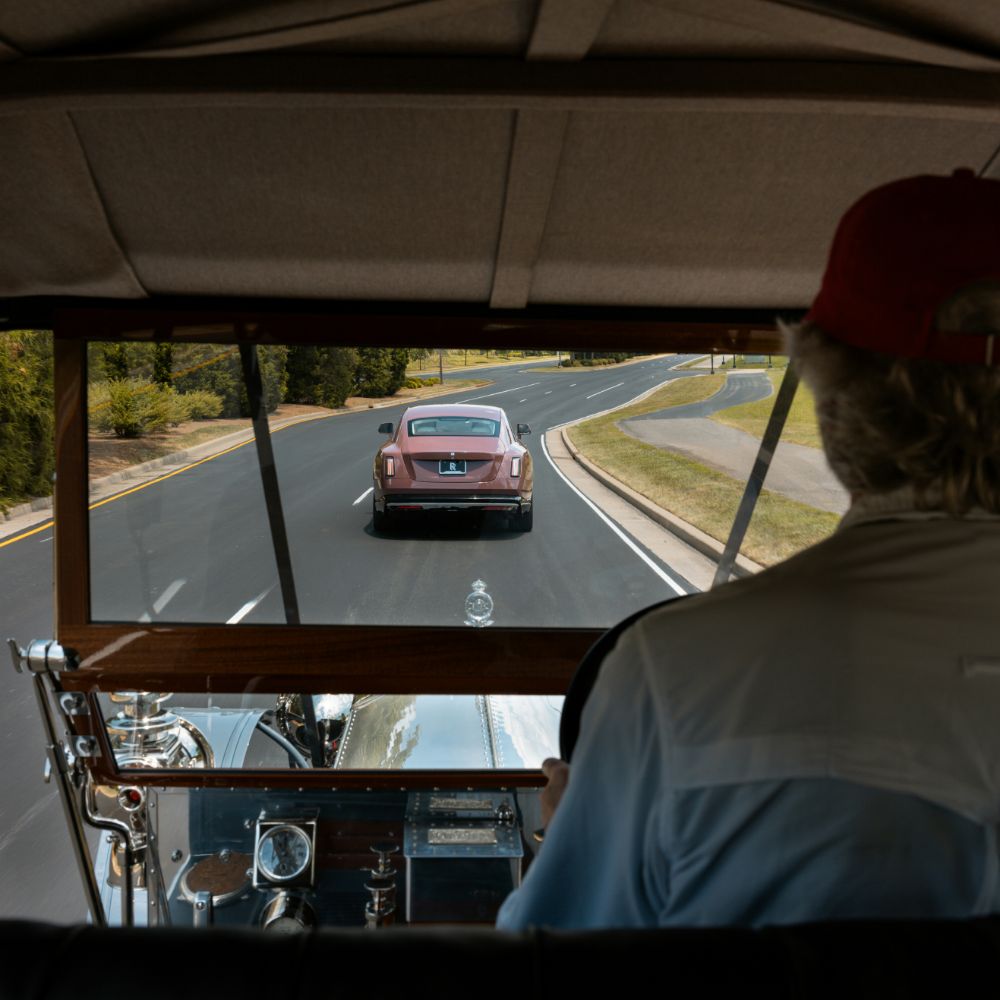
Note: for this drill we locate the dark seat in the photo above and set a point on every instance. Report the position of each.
(847, 961)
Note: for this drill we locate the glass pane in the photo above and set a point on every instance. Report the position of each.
(429, 487)
(345, 732)
(802, 501)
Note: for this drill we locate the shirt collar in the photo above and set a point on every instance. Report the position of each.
(901, 505)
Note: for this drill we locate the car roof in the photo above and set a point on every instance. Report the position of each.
(504, 153)
(453, 410)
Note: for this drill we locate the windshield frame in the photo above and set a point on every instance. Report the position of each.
(397, 659)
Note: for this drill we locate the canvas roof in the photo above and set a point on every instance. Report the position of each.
(505, 153)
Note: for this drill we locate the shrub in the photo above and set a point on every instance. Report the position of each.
(202, 404)
(129, 408)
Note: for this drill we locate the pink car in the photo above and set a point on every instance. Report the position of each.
(453, 456)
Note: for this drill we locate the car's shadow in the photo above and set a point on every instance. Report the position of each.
(450, 526)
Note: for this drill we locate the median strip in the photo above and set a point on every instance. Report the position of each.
(687, 494)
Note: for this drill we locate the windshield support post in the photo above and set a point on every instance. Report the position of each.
(61, 769)
(276, 521)
(768, 444)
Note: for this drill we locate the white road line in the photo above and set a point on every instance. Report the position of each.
(609, 388)
(522, 401)
(548, 392)
(572, 384)
(500, 393)
(168, 595)
(163, 600)
(48, 539)
(363, 495)
(249, 606)
(665, 577)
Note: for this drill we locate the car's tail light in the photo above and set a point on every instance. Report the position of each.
(390, 466)
(515, 466)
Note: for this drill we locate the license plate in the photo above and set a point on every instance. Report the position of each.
(452, 467)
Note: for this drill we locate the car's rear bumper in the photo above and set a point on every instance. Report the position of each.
(458, 501)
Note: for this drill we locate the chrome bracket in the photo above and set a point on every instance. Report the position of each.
(86, 746)
(42, 656)
(73, 703)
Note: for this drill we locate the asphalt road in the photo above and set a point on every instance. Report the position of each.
(195, 547)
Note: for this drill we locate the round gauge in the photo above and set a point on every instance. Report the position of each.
(283, 853)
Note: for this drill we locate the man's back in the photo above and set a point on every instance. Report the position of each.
(818, 741)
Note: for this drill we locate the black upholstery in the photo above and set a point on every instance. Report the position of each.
(847, 961)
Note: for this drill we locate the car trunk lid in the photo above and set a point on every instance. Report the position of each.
(481, 458)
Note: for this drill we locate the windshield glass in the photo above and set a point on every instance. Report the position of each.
(615, 489)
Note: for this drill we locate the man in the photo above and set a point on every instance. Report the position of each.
(822, 741)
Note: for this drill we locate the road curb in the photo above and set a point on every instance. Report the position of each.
(688, 533)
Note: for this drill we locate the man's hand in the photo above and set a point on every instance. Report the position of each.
(557, 771)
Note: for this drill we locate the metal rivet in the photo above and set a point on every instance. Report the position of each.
(176, 854)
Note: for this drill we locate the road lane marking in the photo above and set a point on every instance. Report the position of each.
(665, 577)
(572, 384)
(522, 401)
(249, 606)
(548, 392)
(27, 534)
(49, 539)
(371, 489)
(163, 600)
(609, 388)
(489, 395)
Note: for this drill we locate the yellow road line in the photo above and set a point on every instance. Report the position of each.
(26, 534)
(160, 479)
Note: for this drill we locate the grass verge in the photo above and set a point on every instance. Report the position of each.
(677, 392)
(800, 427)
(110, 454)
(699, 495)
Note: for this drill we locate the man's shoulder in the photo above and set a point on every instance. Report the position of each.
(800, 580)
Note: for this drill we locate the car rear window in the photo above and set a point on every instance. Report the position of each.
(454, 427)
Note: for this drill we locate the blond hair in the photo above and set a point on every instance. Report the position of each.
(889, 422)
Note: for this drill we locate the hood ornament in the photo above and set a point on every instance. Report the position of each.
(478, 606)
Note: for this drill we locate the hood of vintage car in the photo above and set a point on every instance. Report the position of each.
(455, 732)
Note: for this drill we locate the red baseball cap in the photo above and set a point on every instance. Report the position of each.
(902, 251)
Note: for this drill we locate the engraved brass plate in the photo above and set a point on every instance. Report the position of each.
(446, 803)
(461, 835)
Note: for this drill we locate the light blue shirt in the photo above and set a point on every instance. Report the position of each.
(819, 742)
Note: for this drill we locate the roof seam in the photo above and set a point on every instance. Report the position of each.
(537, 148)
(98, 194)
(991, 168)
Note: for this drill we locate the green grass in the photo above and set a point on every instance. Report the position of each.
(800, 427)
(704, 497)
(676, 393)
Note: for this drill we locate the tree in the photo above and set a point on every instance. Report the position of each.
(26, 422)
(323, 376)
(380, 370)
(163, 363)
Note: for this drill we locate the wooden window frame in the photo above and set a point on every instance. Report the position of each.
(377, 659)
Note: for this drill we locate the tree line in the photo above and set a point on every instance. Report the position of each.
(137, 388)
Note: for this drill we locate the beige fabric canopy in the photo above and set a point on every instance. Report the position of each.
(501, 152)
